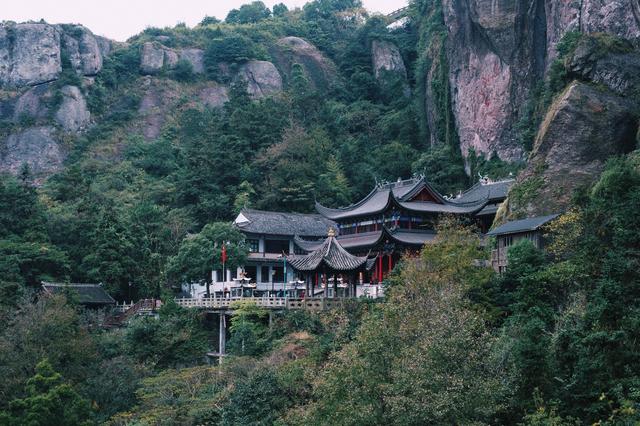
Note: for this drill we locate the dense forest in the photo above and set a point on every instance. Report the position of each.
(553, 341)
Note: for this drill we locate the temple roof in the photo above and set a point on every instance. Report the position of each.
(405, 194)
(524, 225)
(88, 294)
(371, 239)
(278, 223)
(492, 191)
(331, 253)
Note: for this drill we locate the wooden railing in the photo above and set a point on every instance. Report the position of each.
(263, 302)
(398, 14)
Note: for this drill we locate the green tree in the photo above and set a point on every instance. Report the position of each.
(110, 259)
(48, 401)
(250, 13)
(200, 253)
(248, 329)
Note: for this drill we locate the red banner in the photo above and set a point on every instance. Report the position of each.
(224, 253)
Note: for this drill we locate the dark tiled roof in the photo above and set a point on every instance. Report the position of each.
(524, 225)
(331, 253)
(88, 294)
(400, 193)
(307, 245)
(485, 191)
(370, 239)
(277, 223)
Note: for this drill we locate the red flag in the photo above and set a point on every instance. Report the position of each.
(224, 253)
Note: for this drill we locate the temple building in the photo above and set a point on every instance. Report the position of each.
(394, 218)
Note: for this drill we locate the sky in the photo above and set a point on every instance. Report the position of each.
(120, 19)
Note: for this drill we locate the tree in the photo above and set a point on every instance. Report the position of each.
(248, 13)
(247, 329)
(48, 402)
(199, 254)
(280, 10)
(183, 71)
(110, 259)
(376, 379)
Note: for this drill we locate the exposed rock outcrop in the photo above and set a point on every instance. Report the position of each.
(32, 104)
(585, 126)
(29, 54)
(618, 70)
(497, 51)
(617, 17)
(386, 57)
(262, 78)
(36, 147)
(83, 50)
(214, 95)
(73, 114)
(319, 69)
(155, 57)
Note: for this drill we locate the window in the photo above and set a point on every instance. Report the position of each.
(507, 241)
(277, 246)
(253, 246)
(264, 274)
(219, 277)
(251, 272)
(278, 274)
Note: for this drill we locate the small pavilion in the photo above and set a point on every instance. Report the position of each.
(329, 262)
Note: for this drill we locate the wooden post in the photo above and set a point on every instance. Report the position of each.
(335, 285)
(222, 342)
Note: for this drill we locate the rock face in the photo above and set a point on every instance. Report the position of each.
(617, 17)
(386, 57)
(83, 50)
(32, 104)
(214, 96)
(37, 147)
(262, 78)
(73, 114)
(498, 50)
(319, 69)
(585, 126)
(31, 53)
(618, 71)
(156, 57)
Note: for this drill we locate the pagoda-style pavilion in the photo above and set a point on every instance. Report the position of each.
(398, 217)
(329, 261)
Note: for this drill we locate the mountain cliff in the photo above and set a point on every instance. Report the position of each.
(489, 85)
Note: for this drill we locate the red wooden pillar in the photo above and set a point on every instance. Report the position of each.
(380, 269)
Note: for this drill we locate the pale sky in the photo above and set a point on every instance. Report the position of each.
(120, 19)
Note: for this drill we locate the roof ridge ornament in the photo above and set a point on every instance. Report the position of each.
(331, 232)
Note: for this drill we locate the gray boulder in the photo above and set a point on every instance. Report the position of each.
(214, 96)
(32, 104)
(585, 126)
(73, 114)
(319, 69)
(29, 54)
(386, 57)
(195, 57)
(83, 50)
(262, 78)
(151, 58)
(36, 147)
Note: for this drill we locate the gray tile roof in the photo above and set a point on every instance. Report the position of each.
(331, 254)
(370, 239)
(400, 193)
(524, 225)
(485, 191)
(287, 224)
(88, 294)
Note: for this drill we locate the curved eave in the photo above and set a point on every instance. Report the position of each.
(351, 211)
(429, 207)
